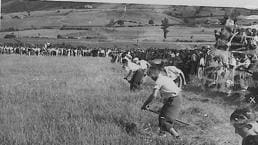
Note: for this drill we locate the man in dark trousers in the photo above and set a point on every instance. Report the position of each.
(135, 72)
(171, 96)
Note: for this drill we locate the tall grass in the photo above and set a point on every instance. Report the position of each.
(85, 101)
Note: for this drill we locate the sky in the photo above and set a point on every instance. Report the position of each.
(251, 4)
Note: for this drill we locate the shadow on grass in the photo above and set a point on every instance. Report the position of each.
(234, 99)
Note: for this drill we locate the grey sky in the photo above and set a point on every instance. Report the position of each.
(252, 4)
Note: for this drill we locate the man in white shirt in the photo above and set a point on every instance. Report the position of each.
(176, 74)
(171, 95)
(247, 62)
(135, 72)
(144, 65)
(245, 65)
(232, 61)
(194, 63)
(129, 66)
(202, 62)
(232, 67)
(201, 67)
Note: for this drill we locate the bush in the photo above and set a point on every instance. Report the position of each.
(60, 36)
(33, 27)
(111, 23)
(9, 36)
(9, 29)
(120, 22)
(186, 20)
(151, 22)
(71, 37)
(62, 27)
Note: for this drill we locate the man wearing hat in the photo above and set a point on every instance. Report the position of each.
(171, 95)
(245, 124)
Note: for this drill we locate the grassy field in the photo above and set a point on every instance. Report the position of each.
(85, 101)
(143, 34)
(81, 17)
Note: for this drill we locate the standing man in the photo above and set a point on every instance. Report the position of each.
(171, 95)
(194, 63)
(217, 35)
(244, 67)
(201, 67)
(232, 66)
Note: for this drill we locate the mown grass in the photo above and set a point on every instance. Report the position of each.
(85, 101)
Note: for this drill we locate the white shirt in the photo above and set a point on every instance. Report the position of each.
(172, 72)
(247, 63)
(229, 23)
(193, 57)
(166, 86)
(132, 66)
(202, 63)
(233, 61)
(256, 38)
(143, 64)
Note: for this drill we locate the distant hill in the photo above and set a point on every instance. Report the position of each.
(10, 6)
(34, 14)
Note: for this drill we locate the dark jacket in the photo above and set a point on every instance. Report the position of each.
(250, 140)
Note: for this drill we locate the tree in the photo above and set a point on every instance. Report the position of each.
(186, 20)
(164, 27)
(59, 36)
(235, 14)
(198, 10)
(10, 36)
(28, 12)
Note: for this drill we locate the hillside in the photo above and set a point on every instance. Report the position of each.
(59, 100)
(25, 14)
